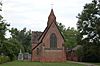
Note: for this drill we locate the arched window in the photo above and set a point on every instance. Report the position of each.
(53, 41)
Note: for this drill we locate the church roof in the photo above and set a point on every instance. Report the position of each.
(35, 36)
(50, 22)
(42, 36)
(50, 18)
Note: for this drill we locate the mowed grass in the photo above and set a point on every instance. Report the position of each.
(26, 63)
(97, 64)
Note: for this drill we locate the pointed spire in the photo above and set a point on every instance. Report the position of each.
(51, 17)
(52, 13)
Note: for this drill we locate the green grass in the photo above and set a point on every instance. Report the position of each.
(97, 64)
(26, 63)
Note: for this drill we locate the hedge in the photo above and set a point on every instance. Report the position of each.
(4, 59)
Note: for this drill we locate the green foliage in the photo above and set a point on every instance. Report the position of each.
(3, 29)
(69, 34)
(70, 37)
(19, 40)
(11, 48)
(8, 46)
(79, 53)
(89, 31)
(23, 37)
(4, 59)
(0, 6)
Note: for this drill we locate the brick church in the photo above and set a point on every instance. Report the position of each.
(48, 46)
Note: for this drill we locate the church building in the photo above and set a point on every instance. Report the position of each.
(48, 46)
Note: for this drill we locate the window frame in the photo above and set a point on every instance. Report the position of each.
(53, 40)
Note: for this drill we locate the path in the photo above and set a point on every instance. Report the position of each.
(87, 64)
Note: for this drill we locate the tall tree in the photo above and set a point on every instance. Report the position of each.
(8, 46)
(23, 37)
(89, 28)
(3, 29)
(69, 34)
(71, 37)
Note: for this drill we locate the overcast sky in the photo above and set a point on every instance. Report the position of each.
(33, 14)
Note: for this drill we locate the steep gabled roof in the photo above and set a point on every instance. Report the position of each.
(45, 31)
(51, 20)
(42, 36)
(35, 36)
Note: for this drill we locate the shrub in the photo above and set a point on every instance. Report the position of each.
(4, 59)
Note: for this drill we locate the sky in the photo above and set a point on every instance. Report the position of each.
(33, 14)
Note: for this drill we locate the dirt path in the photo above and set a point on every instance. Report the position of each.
(87, 64)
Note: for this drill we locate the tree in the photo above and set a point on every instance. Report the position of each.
(11, 48)
(69, 34)
(23, 37)
(88, 26)
(70, 37)
(3, 29)
(0, 6)
(8, 46)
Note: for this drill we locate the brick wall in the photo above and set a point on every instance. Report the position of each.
(53, 56)
(49, 54)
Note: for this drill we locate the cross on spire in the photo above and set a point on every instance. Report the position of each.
(52, 6)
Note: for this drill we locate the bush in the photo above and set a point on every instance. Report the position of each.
(4, 59)
(91, 58)
(79, 53)
(12, 57)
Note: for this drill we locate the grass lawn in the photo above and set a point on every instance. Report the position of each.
(26, 63)
(97, 64)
